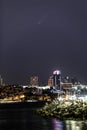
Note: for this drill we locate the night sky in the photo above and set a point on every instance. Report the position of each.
(39, 36)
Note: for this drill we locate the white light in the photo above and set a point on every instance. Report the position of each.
(56, 72)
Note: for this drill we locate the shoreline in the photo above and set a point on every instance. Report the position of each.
(19, 104)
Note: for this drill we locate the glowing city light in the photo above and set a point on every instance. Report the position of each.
(56, 72)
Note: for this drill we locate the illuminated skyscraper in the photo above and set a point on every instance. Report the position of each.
(50, 81)
(57, 79)
(1, 80)
(34, 81)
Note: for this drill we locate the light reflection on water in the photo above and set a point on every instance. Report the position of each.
(57, 125)
(69, 125)
(76, 125)
(25, 119)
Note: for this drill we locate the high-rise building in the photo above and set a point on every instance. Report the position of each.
(34, 81)
(1, 80)
(50, 81)
(57, 79)
(66, 79)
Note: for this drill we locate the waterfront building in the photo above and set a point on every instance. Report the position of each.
(66, 87)
(74, 80)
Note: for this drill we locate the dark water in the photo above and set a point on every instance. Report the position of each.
(26, 119)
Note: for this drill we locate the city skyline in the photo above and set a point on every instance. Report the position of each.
(53, 80)
(38, 37)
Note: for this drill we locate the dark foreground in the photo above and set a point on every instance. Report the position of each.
(26, 119)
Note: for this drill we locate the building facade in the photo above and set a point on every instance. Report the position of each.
(34, 81)
(50, 81)
(57, 79)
